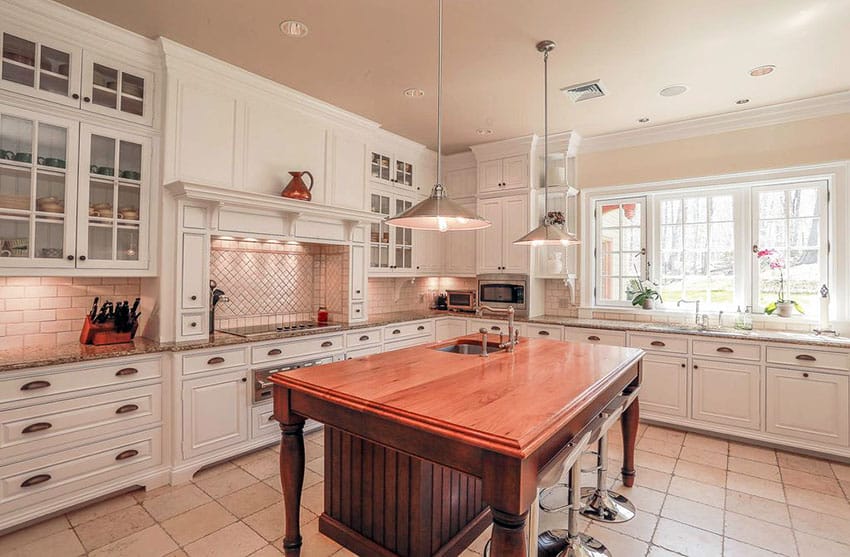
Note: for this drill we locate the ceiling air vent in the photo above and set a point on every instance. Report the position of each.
(584, 91)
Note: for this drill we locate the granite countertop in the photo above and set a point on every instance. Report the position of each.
(31, 357)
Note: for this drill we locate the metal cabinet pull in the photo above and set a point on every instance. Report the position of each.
(271, 418)
(35, 480)
(806, 358)
(657, 343)
(683, 365)
(594, 338)
(126, 371)
(805, 375)
(216, 360)
(274, 352)
(696, 366)
(397, 331)
(544, 333)
(725, 350)
(127, 408)
(495, 328)
(420, 328)
(327, 343)
(364, 338)
(124, 455)
(40, 426)
(33, 385)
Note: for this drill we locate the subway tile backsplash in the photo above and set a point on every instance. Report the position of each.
(388, 295)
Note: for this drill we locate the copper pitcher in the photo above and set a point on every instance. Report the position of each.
(297, 189)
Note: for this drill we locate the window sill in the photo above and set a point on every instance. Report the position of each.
(677, 316)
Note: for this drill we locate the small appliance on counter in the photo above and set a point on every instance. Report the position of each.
(441, 301)
(460, 300)
(111, 323)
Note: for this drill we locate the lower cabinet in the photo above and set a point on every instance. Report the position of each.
(361, 352)
(808, 405)
(450, 327)
(727, 393)
(215, 412)
(665, 385)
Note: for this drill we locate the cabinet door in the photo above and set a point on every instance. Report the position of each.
(379, 238)
(490, 176)
(665, 385)
(727, 393)
(114, 200)
(429, 250)
(403, 173)
(490, 239)
(117, 90)
(348, 188)
(38, 164)
(215, 413)
(402, 240)
(515, 172)
(48, 70)
(358, 272)
(461, 183)
(808, 405)
(459, 250)
(380, 167)
(514, 225)
(449, 328)
(193, 291)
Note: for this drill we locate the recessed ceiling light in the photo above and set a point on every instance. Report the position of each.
(673, 90)
(294, 28)
(484, 131)
(414, 92)
(762, 70)
(742, 101)
(643, 120)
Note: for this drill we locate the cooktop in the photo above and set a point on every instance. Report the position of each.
(259, 330)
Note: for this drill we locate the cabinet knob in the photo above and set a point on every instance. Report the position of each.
(420, 328)
(495, 328)
(396, 331)
(357, 292)
(356, 311)
(69, 257)
(86, 99)
(193, 297)
(75, 96)
(244, 379)
(193, 324)
(696, 366)
(82, 258)
(683, 365)
(805, 375)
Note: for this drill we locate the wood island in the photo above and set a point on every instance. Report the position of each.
(424, 448)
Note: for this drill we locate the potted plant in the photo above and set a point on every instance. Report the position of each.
(643, 293)
(782, 307)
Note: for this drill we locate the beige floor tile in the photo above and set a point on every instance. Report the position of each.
(820, 524)
(198, 522)
(150, 542)
(62, 543)
(700, 472)
(841, 471)
(655, 461)
(617, 543)
(693, 513)
(175, 502)
(226, 482)
(313, 498)
(687, 540)
(814, 546)
(845, 486)
(697, 491)
(346, 553)
(646, 477)
(755, 486)
(704, 456)
(814, 482)
(33, 533)
(697, 441)
(815, 501)
(664, 434)
(250, 500)
(734, 548)
(317, 465)
(317, 437)
(213, 470)
(177, 553)
(268, 551)
(758, 507)
(264, 464)
(641, 526)
(644, 499)
(759, 533)
(754, 468)
(113, 526)
(805, 463)
(144, 494)
(236, 540)
(751, 452)
(101, 508)
(656, 551)
(269, 522)
(658, 446)
(313, 450)
(315, 543)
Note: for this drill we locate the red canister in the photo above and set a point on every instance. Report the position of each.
(323, 314)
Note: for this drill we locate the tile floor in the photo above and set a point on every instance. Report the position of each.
(696, 496)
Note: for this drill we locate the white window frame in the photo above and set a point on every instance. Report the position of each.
(644, 241)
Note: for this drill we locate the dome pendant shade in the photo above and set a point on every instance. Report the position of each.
(548, 235)
(438, 212)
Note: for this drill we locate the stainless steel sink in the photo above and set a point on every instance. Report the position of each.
(469, 348)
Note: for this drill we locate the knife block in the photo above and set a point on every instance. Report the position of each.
(104, 333)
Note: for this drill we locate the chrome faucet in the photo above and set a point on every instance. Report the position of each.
(513, 334)
(483, 331)
(696, 314)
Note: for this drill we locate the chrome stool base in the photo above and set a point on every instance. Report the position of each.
(584, 546)
(606, 506)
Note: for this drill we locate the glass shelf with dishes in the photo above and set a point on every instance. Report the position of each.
(42, 70)
(116, 90)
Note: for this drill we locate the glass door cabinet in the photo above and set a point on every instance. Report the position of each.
(49, 71)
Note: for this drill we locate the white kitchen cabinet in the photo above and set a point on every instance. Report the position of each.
(215, 412)
(461, 183)
(808, 405)
(393, 169)
(727, 393)
(40, 66)
(459, 250)
(496, 250)
(428, 256)
(114, 88)
(192, 294)
(553, 332)
(665, 385)
(358, 272)
(391, 249)
(595, 336)
(347, 186)
(352, 353)
(450, 327)
(509, 173)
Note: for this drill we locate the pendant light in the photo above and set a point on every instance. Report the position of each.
(438, 212)
(548, 233)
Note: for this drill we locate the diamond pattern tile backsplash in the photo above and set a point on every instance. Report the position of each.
(275, 282)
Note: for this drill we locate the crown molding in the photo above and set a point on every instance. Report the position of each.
(803, 109)
(505, 147)
(459, 161)
(562, 144)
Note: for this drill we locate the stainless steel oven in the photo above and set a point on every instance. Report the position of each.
(505, 290)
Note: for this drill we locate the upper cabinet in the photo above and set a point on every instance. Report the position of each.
(392, 169)
(496, 251)
(390, 247)
(52, 70)
(461, 183)
(509, 173)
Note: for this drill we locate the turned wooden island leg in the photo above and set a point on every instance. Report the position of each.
(292, 480)
(508, 538)
(629, 423)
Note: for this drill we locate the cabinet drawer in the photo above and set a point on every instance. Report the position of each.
(36, 480)
(363, 337)
(399, 344)
(365, 351)
(287, 350)
(408, 330)
(77, 377)
(474, 325)
(554, 332)
(192, 324)
(659, 343)
(595, 336)
(734, 350)
(210, 361)
(42, 427)
(803, 357)
(357, 311)
(263, 423)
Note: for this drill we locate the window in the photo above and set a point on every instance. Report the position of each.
(620, 250)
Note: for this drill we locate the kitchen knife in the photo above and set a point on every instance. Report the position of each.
(135, 307)
(93, 312)
(101, 317)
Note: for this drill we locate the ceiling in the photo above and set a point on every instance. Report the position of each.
(361, 54)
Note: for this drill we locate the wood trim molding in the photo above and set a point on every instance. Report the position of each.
(505, 148)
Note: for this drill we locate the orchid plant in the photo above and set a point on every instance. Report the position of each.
(643, 293)
(774, 261)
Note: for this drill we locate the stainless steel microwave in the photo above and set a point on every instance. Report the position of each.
(460, 300)
(502, 291)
